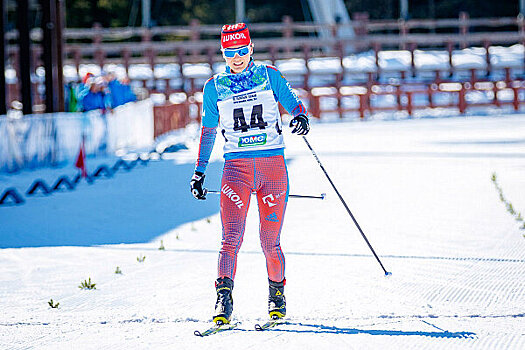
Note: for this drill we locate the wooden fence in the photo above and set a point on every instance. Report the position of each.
(364, 100)
(198, 43)
(170, 117)
(411, 97)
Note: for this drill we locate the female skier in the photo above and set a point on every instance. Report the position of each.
(243, 102)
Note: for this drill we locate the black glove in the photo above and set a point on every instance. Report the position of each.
(300, 125)
(197, 180)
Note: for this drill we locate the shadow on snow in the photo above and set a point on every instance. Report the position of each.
(319, 328)
(131, 207)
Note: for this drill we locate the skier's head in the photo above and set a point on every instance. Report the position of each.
(236, 46)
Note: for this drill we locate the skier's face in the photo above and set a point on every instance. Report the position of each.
(238, 63)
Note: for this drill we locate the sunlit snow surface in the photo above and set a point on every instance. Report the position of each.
(420, 189)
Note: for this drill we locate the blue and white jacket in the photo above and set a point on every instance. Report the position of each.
(245, 108)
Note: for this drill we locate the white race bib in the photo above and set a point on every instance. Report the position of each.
(249, 115)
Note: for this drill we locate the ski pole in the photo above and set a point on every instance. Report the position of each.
(321, 197)
(346, 207)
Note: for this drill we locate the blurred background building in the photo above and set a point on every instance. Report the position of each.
(82, 36)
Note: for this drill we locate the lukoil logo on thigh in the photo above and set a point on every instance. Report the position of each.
(253, 140)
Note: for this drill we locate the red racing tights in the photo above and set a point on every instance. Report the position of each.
(268, 177)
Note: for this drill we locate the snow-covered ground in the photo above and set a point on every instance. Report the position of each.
(420, 189)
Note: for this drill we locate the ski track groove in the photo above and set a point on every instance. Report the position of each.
(466, 286)
(466, 290)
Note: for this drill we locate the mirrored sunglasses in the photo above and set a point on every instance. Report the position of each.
(241, 51)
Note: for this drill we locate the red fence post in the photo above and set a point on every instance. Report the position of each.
(462, 103)
(12, 93)
(181, 60)
(450, 48)
(495, 89)
(97, 40)
(167, 90)
(77, 58)
(195, 30)
(437, 76)
(486, 45)
(430, 93)
(126, 54)
(409, 102)
(377, 48)
(413, 47)
(158, 121)
(14, 89)
(273, 54)
(362, 105)
(463, 27)
(306, 56)
(339, 76)
(507, 75)
(360, 21)
(516, 100)
(199, 111)
(371, 80)
(403, 30)
(195, 36)
(287, 31)
(314, 105)
(192, 86)
(149, 53)
(368, 99)
(339, 102)
(210, 53)
(340, 50)
(398, 98)
(473, 78)
(36, 57)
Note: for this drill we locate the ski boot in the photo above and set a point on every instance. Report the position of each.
(224, 304)
(276, 300)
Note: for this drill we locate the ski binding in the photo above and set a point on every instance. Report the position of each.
(274, 321)
(216, 328)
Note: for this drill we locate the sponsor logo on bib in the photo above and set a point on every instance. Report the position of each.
(253, 140)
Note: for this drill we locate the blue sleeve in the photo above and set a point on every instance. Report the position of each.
(210, 111)
(205, 147)
(210, 121)
(284, 93)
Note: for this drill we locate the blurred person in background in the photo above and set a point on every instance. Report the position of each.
(71, 97)
(86, 77)
(95, 95)
(120, 90)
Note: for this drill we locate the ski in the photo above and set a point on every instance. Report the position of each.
(270, 324)
(216, 328)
